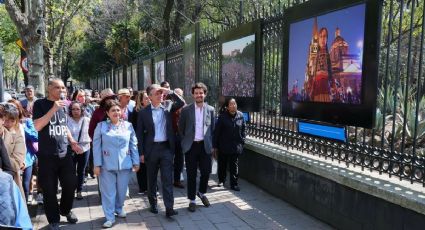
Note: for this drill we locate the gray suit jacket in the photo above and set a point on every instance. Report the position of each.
(187, 127)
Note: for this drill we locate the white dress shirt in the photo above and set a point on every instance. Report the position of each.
(199, 123)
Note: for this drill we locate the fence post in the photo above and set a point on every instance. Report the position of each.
(197, 35)
(1, 71)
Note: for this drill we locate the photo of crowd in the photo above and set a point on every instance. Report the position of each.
(238, 67)
(189, 63)
(159, 71)
(325, 57)
(147, 79)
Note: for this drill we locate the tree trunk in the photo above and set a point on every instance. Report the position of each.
(178, 20)
(30, 26)
(166, 22)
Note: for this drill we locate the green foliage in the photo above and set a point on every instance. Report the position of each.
(8, 32)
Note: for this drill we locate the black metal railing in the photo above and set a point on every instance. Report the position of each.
(396, 146)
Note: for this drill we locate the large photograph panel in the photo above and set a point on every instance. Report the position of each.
(189, 63)
(325, 57)
(147, 73)
(238, 68)
(330, 61)
(159, 69)
(241, 65)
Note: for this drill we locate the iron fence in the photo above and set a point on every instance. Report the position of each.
(396, 146)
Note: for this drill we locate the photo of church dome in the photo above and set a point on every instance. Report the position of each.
(325, 57)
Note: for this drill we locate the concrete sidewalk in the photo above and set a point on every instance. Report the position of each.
(251, 208)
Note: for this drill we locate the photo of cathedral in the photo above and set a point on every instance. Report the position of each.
(325, 58)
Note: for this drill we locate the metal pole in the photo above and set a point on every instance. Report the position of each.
(1, 72)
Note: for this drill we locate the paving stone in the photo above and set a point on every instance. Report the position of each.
(251, 208)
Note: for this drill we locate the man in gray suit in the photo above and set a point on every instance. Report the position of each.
(156, 144)
(196, 126)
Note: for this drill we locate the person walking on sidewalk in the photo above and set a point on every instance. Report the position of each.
(54, 163)
(115, 155)
(142, 101)
(229, 138)
(196, 127)
(78, 125)
(156, 135)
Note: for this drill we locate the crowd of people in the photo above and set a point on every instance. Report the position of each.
(64, 141)
(238, 79)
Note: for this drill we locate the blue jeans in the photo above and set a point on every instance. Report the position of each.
(26, 180)
(80, 161)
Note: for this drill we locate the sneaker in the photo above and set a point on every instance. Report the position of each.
(54, 226)
(122, 214)
(79, 196)
(30, 198)
(40, 198)
(71, 217)
(107, 224)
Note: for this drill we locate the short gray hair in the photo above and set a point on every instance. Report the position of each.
(152, 87)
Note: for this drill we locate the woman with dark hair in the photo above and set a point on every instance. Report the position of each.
(142, 100)
(25, 125)
(115, 155)
(78, 125)
(98, 115)
(13, 140)
(229, 138)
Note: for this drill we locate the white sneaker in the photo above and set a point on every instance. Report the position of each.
(30, 198)
(40, 198)
(122, 214)
(107, 224)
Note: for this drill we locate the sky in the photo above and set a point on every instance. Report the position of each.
(350, 21)
(240, 44)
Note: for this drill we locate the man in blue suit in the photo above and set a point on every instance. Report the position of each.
(156, 144)
(196, 126)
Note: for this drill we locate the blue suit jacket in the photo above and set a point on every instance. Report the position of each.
(145, 130)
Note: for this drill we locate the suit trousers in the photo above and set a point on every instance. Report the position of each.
(113, 187)
(178, 159)
(142, 178)
(230, 160)
(161, 158)
(195, 157)
(50, 169)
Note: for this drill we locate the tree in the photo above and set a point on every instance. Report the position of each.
(8, 37)
(27, 15)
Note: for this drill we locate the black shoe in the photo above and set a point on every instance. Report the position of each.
(154, 209)
(170, 212)
(220, 183)
(204, 200)
(54, 226)
(178, 184)
(192, 207)
(71, 217)
(236, 188)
